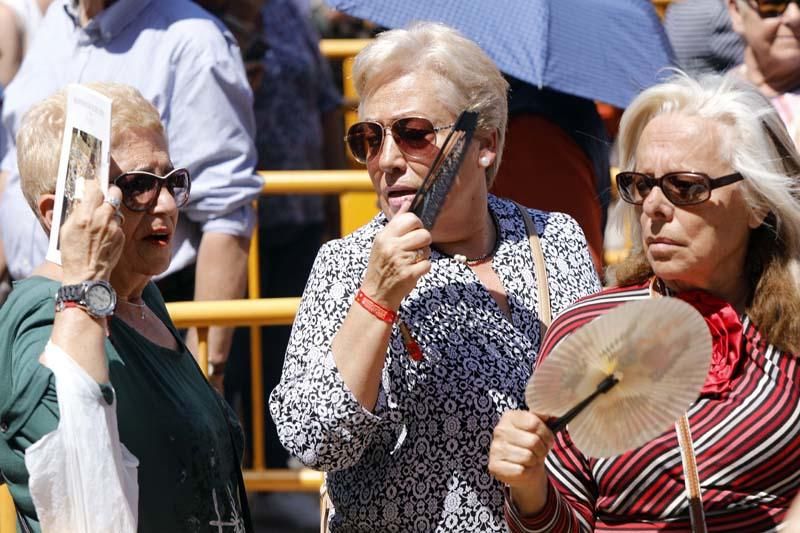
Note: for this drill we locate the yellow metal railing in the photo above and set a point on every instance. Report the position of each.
(8, 520)
(257, 312)
(342, 48)
(254, 313)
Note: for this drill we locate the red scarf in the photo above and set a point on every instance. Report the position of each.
(726, 336)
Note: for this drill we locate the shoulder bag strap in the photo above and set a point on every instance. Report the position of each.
(541, 271)
(325, 507)
(690, 476)
(21, 522)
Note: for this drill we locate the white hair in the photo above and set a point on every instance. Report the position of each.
(754, 142)
(466, 77)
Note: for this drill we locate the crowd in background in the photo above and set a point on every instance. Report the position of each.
(245, 88)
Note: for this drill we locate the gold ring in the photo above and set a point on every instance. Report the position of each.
(419, 255)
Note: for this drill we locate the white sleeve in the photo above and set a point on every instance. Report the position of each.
(82, 478)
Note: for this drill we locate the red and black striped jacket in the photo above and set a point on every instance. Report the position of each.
(747, 445)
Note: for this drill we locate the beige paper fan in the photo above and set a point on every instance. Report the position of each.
(658, 349)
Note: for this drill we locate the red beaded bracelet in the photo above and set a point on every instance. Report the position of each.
(375, 309)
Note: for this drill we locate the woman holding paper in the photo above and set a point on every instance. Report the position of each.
(711, 176)
(74, 366)
(409, 343)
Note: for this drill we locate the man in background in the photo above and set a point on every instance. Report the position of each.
(188, 65)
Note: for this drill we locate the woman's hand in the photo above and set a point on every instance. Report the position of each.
(520, 444)
(92, 237)
(398, 259)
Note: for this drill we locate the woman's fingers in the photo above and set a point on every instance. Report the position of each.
(92, 237)
(415, 239)
(403, 223)
(399, 258)
(519, 447)
(523, 430)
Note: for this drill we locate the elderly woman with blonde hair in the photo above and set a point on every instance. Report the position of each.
(409, 343)
(91, 338)
(711, 176)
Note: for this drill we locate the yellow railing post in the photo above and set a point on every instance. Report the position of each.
(342, 48)
(249, 312)
(257, 404)
(256, 312)
(8, 519)
(202, 349)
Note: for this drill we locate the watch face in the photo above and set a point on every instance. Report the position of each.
(99, 298)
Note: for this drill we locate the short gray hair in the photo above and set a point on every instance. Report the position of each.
(472, 80)
(40, 135)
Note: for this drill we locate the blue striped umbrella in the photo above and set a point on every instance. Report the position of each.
(605, 50)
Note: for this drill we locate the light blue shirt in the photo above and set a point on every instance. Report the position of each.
(189, 66)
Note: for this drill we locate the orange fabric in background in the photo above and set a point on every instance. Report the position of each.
(544, 168)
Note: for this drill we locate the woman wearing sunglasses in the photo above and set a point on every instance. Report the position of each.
(409, 343)
(712, 181)
(100, 310)
(771, 32)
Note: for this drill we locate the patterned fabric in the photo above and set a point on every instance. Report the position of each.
(747, 446)
(418, 462)
(297, 89)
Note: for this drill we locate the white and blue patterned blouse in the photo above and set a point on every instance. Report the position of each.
(419, 461)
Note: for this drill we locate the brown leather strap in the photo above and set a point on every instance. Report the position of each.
(542, 289)
(325, 506)
(693, 491)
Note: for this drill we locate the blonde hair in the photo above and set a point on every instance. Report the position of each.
(756, 144)
(42, 130)
(466, 77)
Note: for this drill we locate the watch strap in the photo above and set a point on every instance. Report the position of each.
(75, 296)
(71, 293)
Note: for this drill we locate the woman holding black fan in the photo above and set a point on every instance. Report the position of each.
(411, 341)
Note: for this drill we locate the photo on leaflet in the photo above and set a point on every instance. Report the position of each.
(85, 151)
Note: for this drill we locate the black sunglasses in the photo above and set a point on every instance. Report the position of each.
(680, 188)
(771, 8)
(414, 136)
(140, 189)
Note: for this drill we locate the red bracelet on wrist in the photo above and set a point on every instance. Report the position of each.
(374, 308)
(76, 305)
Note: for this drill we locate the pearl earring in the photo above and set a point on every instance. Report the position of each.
(484, 161)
